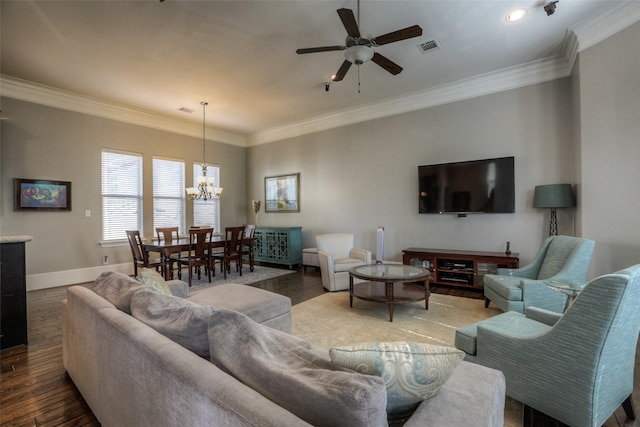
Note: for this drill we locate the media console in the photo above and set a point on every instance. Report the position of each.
(459, 268)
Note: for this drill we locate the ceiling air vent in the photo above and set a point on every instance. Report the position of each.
(429, 46)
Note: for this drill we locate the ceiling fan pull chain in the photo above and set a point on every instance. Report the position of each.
(358, 79)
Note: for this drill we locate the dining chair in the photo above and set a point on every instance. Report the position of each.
(140, 255)
(169, 234)
(247, 246)
(199, 253)
(234, 240)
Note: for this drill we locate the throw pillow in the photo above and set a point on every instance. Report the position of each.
(150, 277)
(412, 372)
(287, 371)
(176, 318)
(117, 288)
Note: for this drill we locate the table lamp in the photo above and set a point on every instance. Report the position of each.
(553, 196)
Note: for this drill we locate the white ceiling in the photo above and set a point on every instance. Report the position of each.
(155, 57)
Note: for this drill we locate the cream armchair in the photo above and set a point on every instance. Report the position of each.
(337, 256)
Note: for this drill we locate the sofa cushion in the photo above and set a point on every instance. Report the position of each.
(117, 288)
(176, 318)
(284, 369)
(259, 304)
(150, 277)
(412, 372)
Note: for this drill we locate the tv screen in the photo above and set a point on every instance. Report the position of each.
(478, 186)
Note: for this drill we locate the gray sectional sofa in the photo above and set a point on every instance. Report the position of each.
(132, 375)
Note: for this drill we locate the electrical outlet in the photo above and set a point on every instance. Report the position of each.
(105, 260)
(87, 213)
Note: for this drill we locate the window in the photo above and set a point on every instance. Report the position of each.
(121, 194)
(206, 212)
(168, 193)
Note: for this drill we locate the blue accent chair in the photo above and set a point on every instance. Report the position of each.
(576, 367)
(562, 258)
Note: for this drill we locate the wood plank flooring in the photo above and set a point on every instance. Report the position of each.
(36, 391)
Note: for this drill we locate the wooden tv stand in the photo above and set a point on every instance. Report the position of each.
(459, 268)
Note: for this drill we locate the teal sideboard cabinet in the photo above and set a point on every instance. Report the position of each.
(279, 245)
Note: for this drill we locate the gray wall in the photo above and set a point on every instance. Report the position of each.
(40, 142)
(358, 177)
(609, 81)
(583, 130)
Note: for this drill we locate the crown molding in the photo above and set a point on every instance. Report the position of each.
(577, 39)
(53, 97)
(508, 78)
(593, 31)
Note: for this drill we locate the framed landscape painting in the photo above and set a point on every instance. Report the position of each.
(42, 195)
(282, 193)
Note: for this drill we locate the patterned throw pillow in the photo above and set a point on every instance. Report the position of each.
(412, 372)
(152, 278)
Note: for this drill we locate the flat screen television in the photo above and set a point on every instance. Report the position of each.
(477, 186)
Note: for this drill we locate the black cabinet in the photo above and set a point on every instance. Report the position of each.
(13, 290)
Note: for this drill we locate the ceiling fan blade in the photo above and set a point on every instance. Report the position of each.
(386, 63)
(405, 33)
(349, 22)
(342, 71)
(320, 49)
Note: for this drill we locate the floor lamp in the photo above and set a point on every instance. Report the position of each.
(553, 196)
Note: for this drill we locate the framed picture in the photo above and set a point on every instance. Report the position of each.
(282, 193)
(42, 195)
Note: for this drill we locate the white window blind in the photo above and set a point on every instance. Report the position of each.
(168, 193)
(207, 212)
(121, 194)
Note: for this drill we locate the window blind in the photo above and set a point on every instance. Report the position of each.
(168, 193)
(121, 194)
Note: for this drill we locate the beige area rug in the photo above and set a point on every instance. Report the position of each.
(328, 321)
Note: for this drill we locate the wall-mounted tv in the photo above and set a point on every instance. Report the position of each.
(477, 186)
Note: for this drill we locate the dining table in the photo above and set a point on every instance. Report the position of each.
(182, 244)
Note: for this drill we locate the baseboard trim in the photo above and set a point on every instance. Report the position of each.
(71, 277)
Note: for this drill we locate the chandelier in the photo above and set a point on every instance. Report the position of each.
(206, 188)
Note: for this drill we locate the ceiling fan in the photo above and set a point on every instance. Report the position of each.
(359, 49)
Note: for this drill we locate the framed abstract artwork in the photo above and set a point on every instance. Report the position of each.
(42, 195)
(282, 193)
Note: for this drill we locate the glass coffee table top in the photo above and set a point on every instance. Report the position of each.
(384, 272)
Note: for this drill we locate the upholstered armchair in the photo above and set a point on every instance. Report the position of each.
(337, 256)
(576, 367)
(563, 259)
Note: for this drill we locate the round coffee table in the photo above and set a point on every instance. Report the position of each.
(390, 284)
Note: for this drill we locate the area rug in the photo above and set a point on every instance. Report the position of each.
(328, 321)
(259, 274)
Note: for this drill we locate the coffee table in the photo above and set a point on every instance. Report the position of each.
(390, 284)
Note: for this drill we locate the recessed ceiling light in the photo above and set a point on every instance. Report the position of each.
(516, 15)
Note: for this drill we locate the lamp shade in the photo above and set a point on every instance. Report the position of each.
(554, 196)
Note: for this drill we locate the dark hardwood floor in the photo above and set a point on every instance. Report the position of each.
(36, 391)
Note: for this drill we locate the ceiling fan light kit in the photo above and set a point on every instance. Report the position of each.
(358, 54)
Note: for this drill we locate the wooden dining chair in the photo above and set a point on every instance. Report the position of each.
(169, 234)
(234, 239)
(140, 256)
(199, 253)
(247, 246)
